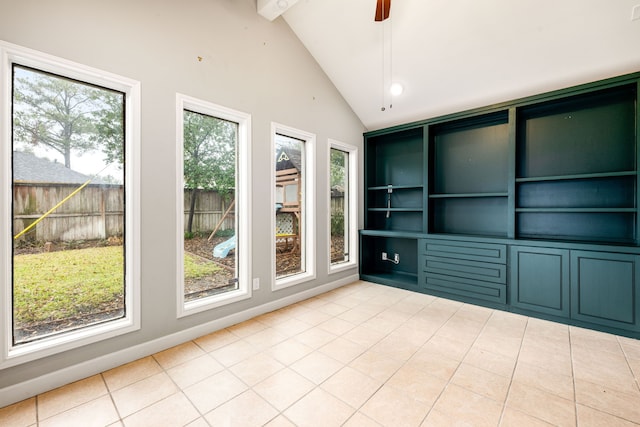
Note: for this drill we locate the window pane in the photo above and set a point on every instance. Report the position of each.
(290, 216)
(210, 252)
(68, 204)
(339, 175)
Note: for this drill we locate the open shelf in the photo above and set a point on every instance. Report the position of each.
(576, 168)
(479, 216)
(372, 266)
(394, 178)
(568, 136)
(470, 156)
(395, 159)
(610, 227)
(603, 193)
(468, 186)
(403, 280)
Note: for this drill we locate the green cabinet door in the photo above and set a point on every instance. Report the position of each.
(604, 289)
(540, 280)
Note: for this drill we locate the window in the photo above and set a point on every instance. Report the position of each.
(343, 205)
(213, 205)
(294, 213)
(69, 245)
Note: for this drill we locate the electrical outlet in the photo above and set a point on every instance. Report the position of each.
(256, 283)
(384, 256)
(635, 12)
(396, 258)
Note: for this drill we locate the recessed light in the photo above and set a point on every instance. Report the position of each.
(396, 89)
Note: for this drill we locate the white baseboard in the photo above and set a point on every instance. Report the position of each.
(18, 392)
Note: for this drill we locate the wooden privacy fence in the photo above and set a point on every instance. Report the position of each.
(210, 207)
(337, 204)
(96, 212)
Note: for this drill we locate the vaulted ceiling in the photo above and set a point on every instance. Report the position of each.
(453, 55)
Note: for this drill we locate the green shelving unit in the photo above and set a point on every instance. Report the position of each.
(529, 206)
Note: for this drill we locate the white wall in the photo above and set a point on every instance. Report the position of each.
(248, 64)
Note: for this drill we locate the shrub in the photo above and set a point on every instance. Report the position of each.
(337, 223)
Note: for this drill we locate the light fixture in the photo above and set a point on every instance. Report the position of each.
(383, 17)
(396, 89)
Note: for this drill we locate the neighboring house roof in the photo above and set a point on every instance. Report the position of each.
(27, 167)
(288, 158)
(337, 191)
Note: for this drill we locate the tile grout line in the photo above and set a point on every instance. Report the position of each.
(180, 389)
(318, 386)
(113, 402)
(400, 367)
(250, 387)
(626, 358)
(459, 363)
(573, 374)
(513, 373)
(484, 326)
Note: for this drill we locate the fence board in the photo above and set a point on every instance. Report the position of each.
(97, 212)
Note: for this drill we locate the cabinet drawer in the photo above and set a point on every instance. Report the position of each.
(463, 268)
(470, 288)
(483, 252)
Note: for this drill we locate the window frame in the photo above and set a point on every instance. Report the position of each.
(308, 207)
(243, 204)
(352, 191)
(10, 354)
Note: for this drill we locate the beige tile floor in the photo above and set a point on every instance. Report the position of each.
(364, 355)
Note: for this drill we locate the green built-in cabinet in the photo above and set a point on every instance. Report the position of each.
(529, 206)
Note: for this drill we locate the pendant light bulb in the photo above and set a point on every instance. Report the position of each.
(396, 89)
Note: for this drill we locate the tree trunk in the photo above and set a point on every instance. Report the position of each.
(67, 158)
(192, 209)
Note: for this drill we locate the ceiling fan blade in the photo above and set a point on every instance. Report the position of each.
(382, 10)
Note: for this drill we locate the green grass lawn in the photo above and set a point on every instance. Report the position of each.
(65, 284)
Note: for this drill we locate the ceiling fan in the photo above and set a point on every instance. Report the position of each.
(382, 10)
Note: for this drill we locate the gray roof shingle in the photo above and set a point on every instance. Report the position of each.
(27, 167)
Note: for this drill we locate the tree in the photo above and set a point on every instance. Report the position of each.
(65, 115)
(338, 163)
(209, 156)
(109, 125)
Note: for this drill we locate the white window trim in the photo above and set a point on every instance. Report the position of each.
(308, 206)
(243, 204)
(11, 355)
(352, 191)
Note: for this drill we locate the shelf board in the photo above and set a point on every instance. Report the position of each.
(577, 176)
(395, 187)
(466, 195)
(576, 210)
(394, 209)
(398, 277)
(401, 234)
